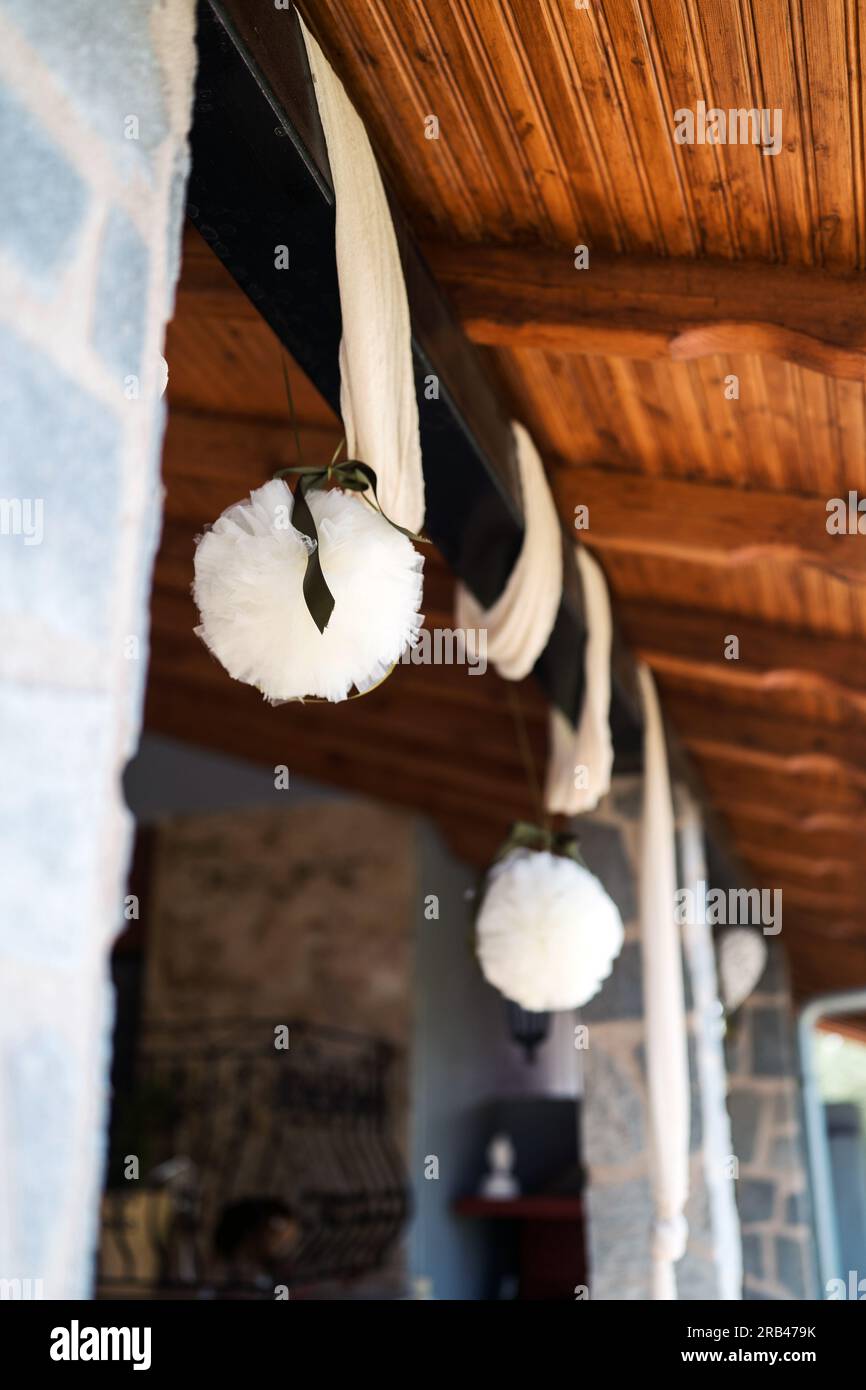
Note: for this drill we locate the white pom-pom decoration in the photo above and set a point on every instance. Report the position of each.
(547, 932)
(249, 576)
(742, 962)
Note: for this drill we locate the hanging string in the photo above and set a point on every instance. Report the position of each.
(301, 470)
(293, 419)
(525, 748)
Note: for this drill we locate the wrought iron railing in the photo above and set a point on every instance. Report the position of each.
(219, 1114)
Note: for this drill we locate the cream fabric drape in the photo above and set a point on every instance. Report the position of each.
(664, 1005)
(589, 746)
(710, 1060)
(520, 621)
(377, 395)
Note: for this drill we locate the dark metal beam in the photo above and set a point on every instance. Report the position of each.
(260, 178)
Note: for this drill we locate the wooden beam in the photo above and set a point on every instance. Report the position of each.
(752, 784)
(794, 692)
(815, 969)
(791, 697)
(205, 288)
(704, 522)
(825, 927)
(828, 771)
(802, 745)
(834, 905)
(696, 637)
(311, 741)
(851, 1026)
(250, 191)
(815, 834)
(243, 453)
(804, 870)
(379, 746)
(531, 296)
(413, 719)
(840, 903)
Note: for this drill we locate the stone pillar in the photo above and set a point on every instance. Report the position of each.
(615, 1105)
(764, 1103)
(95, 103)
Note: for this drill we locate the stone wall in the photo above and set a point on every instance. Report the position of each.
(95, 102)
(300, 912)
(765, 1163)
(764, 1103)
(619, 1198)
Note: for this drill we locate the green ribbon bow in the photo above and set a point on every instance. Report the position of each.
(527, 836)
(352, 476)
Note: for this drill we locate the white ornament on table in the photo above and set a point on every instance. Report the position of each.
(500, 1181)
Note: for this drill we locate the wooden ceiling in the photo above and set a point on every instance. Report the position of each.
(432, 738)
(707, 513)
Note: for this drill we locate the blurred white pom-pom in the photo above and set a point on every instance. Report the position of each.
(249, 575)
(742, 962)
(547, 932)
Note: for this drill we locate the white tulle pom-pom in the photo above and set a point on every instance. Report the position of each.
(742, 962)
(547, 932)
(249, 575)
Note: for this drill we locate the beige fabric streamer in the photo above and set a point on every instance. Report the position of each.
(588, 747)
(377, 396)
(520, 621)
(710, 1059)
(664, 1005)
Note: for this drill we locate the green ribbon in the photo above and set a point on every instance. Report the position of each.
(352, 476)
(524, 835)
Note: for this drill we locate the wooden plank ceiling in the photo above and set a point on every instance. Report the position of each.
(555, 128)
(432, 738)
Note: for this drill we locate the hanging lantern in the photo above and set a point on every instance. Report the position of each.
(311, 594)
(529, 1030)
(547, 932)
